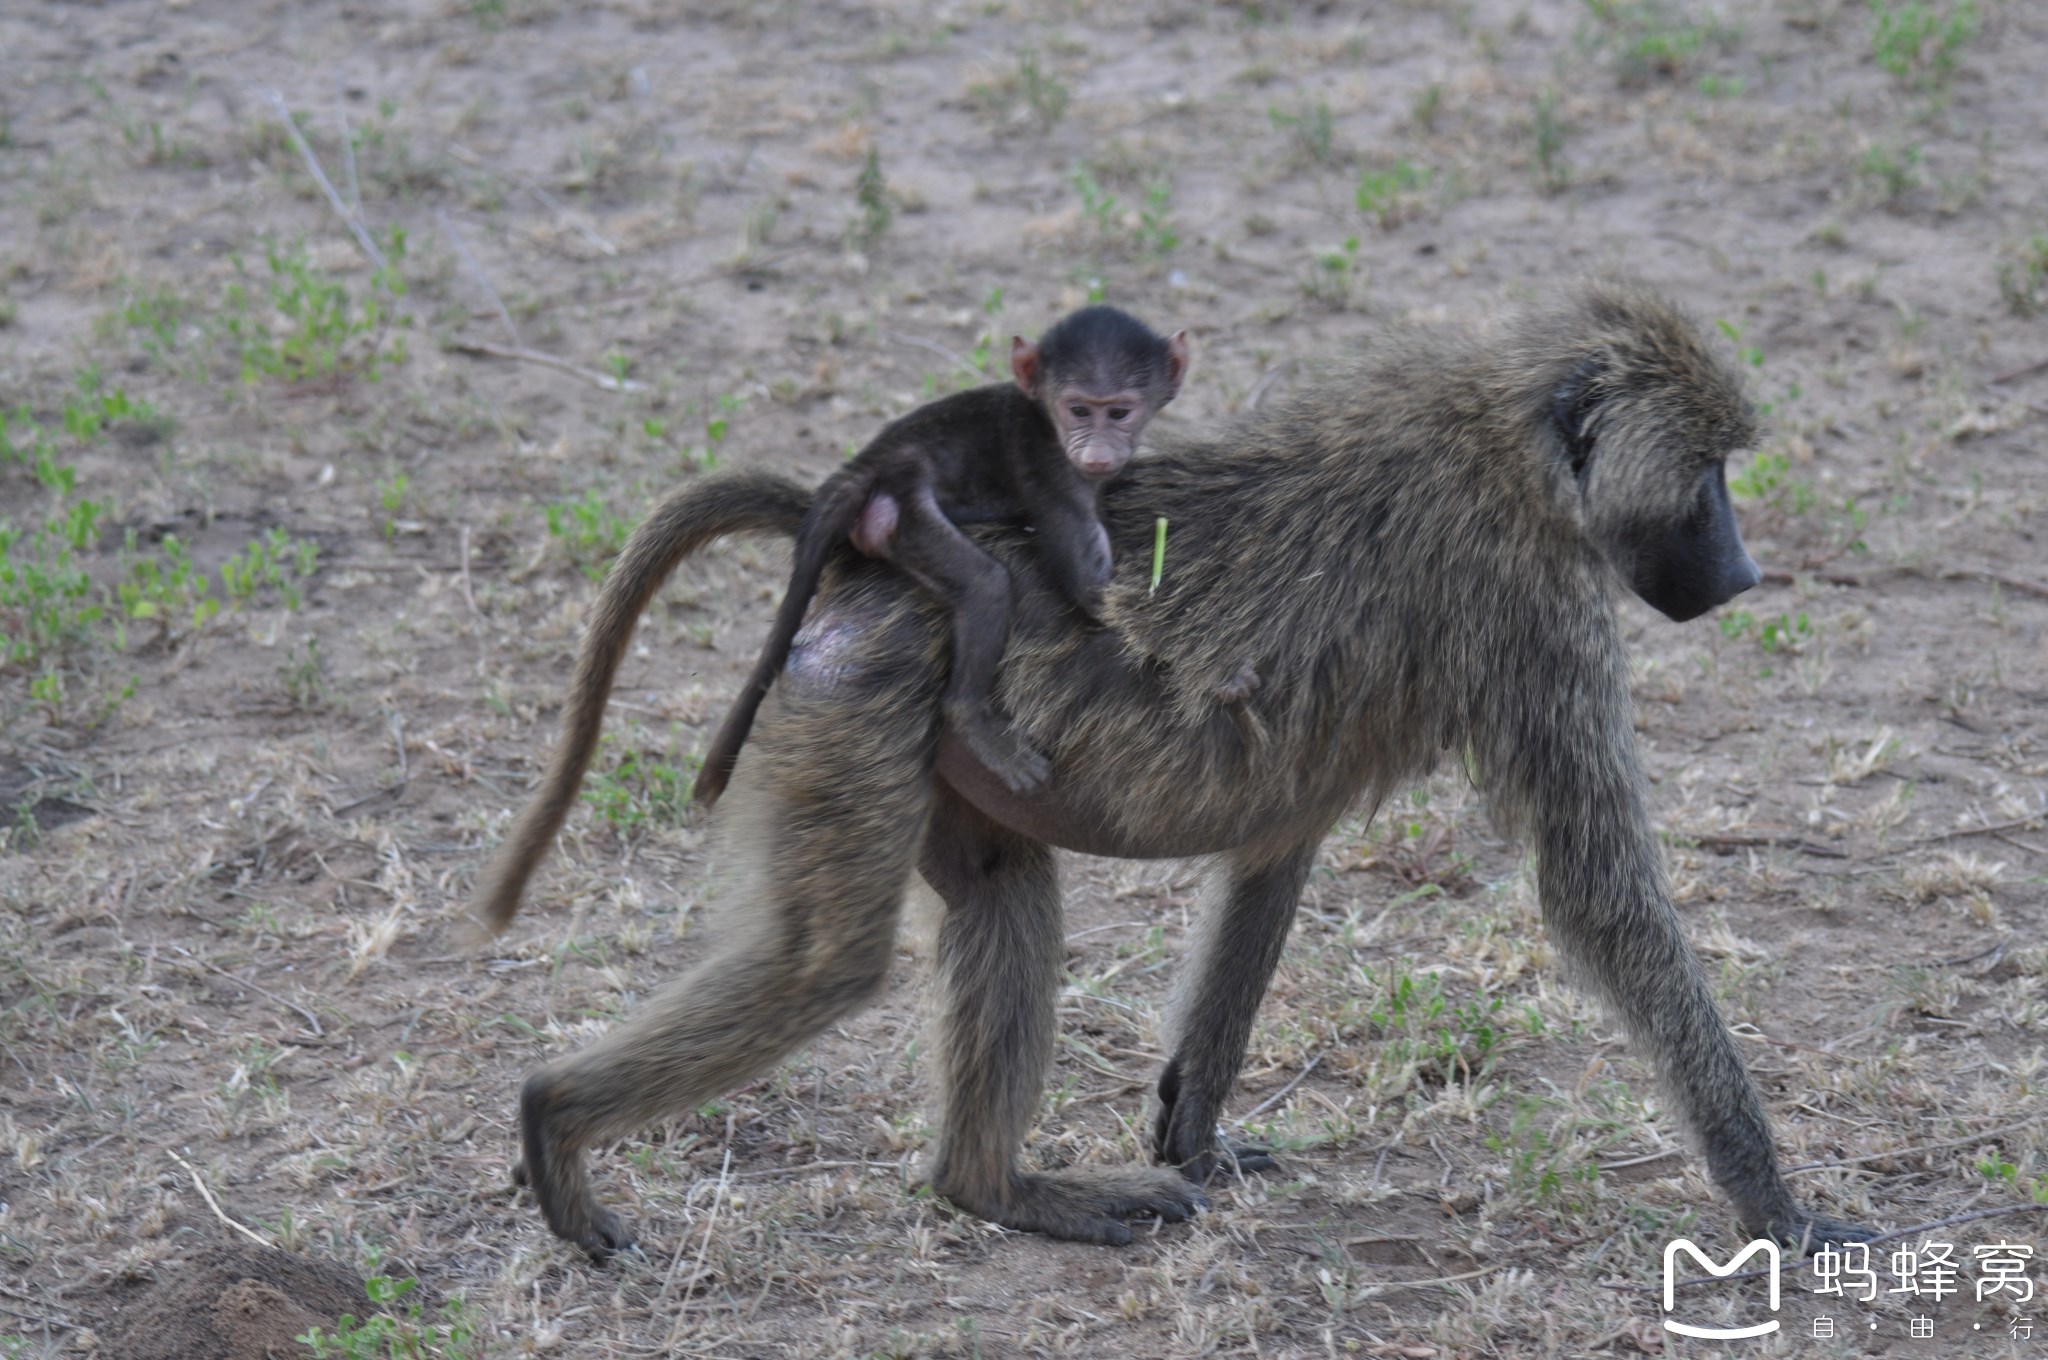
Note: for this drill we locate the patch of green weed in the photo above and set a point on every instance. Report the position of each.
(1918, 43)
(640, 790)
(589, 530)
(398, 1331)
(311, 327)
(1388, 195)
(2020, 279)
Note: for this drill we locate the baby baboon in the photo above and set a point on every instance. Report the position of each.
(1039, 450)
(1420, 555)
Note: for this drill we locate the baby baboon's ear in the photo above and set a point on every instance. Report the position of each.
(1571, 411)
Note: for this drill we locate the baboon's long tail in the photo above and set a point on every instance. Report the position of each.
(832, 514)
(741, 502)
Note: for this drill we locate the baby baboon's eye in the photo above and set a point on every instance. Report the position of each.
(1120, 413)
(1078, 412)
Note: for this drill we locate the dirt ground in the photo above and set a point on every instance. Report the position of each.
(295, 565)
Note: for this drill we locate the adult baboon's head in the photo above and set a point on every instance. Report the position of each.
(1646, 416)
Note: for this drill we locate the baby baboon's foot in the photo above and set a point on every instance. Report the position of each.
(1000, 750)
(555, 1176)
(1090, 1206)
(1239, 687)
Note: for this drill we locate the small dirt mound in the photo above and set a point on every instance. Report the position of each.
(229, 1303)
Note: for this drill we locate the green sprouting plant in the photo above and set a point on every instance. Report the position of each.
(1445, 1042)
(304, 674)
(1097, 204)
(391, 496)
(986, 351)
(166, 590)
(871, 196)
(1781, 633)
(1336, 279)
(1768, 481)
(1538, 1169)
(1035, 84)
(589, 530)
(1045, 94)
(93, 408)
(1785, 633)
(1553, 171)
(1918, 43)
(398, 1331)
(2020, 281)
(717, 425)
(1156, 236)
(1894, 169)
(640, 790)
(25, 443)
(1428, 105)
(277, 560)
(1753, 355)
(1387, 195)
(313, 328)
(46, 598)
(1650, 40)
(158, 314)
(1311, 132)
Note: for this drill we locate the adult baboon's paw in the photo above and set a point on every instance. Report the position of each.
(1091, 1206)
(1806, 1232)
(1226, 1155)
(598, 1231)
(1083, 1205)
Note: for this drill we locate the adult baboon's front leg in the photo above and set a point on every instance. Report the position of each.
(1600, 876)
(999, 969)
(841, 786)
(1237, 946)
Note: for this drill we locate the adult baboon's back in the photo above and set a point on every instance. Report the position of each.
(1418, 557)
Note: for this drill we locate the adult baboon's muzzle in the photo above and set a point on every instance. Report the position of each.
(1699, 562)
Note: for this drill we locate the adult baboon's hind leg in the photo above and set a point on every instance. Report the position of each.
(1237, 946)
(840, 799)
(999, 966)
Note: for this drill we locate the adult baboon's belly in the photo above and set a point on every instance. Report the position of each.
(1072, 820)
(864, 637)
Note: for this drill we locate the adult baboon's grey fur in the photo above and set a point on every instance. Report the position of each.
(1419, 555)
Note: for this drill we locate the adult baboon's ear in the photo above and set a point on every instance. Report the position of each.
(1571, 408)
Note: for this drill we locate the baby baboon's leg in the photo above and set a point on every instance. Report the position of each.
(976, 590)
(999, 967)
(1237, 947)
(844, 788)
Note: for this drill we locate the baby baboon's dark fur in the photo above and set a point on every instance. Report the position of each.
(1037, 449)
(1420, 556)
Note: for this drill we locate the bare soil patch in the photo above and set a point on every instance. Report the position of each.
(228, 1303)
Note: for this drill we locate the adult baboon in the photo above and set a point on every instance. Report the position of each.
(1419, 556)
